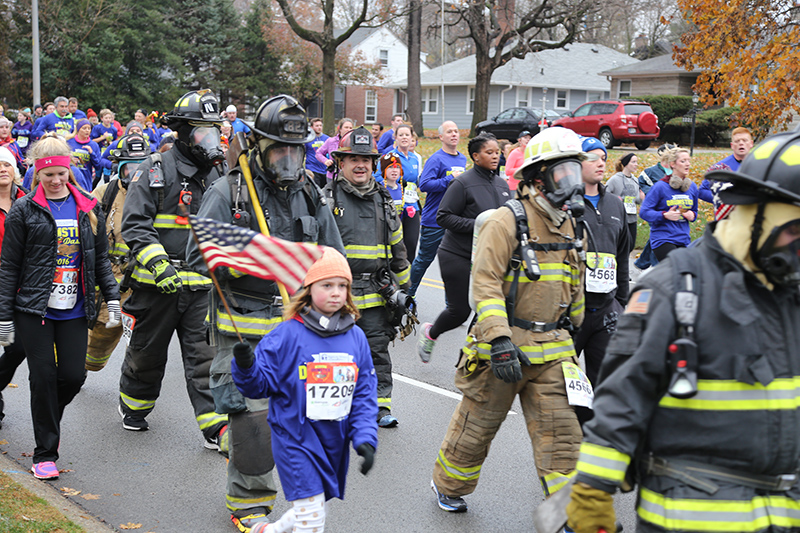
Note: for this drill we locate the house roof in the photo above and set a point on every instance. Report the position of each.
(358, 36)
(659, 65)
(577, 66)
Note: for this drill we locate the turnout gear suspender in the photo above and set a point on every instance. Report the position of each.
(683, 351)
(525, 257)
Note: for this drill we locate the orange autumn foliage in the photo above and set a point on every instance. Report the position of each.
(748, 52)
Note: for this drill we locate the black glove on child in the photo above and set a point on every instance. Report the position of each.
(506, 358)
(243, 354)
(368, 453)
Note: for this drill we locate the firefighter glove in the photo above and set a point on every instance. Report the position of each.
(6, 332)
(243, 354)
(114, 314)
(368, 453)
(506, 358)
(590, 510)
(167, 279)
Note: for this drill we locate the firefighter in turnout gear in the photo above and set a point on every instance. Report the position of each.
(126, 154)
(698, 395)
(167, 295)
(373, 243)
(527, 282)
(295, 210)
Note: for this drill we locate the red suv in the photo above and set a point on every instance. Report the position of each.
(614, 122)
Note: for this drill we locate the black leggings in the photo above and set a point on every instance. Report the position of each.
(632, 236)
(662, 251)
(53, 384)
(411, 235)
(455, 275)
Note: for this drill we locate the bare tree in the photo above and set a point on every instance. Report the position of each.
(356, 13)
(501, 31)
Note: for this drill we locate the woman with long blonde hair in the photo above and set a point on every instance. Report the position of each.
(52, 257)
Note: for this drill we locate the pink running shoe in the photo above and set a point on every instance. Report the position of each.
(45, 470)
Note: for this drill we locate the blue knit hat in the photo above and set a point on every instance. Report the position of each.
(590, 143)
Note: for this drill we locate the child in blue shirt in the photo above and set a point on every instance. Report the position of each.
(317, 371)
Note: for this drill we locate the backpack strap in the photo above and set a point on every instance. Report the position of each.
(686, 300)
(240, 199)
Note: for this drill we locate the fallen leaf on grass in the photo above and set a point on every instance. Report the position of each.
(130, 525)
(91, 496)
(69, 492)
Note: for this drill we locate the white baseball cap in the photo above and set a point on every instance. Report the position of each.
(231, 109)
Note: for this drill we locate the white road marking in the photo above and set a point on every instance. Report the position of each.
(432, 388)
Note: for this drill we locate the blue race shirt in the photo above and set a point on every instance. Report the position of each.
(312, 163)
(439, 170)
(66, 296)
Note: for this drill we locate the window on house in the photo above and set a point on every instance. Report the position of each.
(522, 97)
(470, 100)
(430, 100)
(384, 57)
(562, 99)
(624, 89)
(371, 106)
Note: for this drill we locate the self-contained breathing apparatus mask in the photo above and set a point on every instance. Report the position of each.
(399, 304)
(779, 256)
(202, 142)
(563, 186)
(284, 164)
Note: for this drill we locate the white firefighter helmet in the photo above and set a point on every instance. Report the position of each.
(552, 143)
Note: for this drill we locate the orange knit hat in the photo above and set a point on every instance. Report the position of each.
(332, 264)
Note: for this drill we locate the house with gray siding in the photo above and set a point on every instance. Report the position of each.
(559, 79)
(657, 75)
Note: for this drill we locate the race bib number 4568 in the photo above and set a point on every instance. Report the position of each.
(329, 390)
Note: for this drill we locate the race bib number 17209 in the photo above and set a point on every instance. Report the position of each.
(329, 390)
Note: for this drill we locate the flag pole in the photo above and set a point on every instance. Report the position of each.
(216, 283)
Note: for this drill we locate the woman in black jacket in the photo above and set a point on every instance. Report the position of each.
(467, 196)
(52, 257)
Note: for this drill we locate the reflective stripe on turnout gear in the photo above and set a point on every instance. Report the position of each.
(550, 272)
(555, 481)
(247, 324)
(190, 279)
(135, 404)
(152, 253)
(603, 462)
(759, 513)
(730, 395)
(365, 251)
(169, 221)
(385, 402)
(492, 307)
(536, 353)
(208, 420)
(451, 470)
(236, 504)
(365, 301)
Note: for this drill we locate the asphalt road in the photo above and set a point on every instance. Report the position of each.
(164, 480)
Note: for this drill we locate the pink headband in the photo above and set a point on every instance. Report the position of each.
(54, 161)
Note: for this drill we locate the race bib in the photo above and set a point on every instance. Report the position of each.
(630, 205)
(128, 321)
(410, 194)
(579, 389)
(329, 390)
(22, 141)
(601, 272)
(64, 293)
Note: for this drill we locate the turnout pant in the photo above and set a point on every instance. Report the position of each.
(242, 491)
(157, 316)
(379, 332)
(550, 420)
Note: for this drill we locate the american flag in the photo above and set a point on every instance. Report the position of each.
(253, 253)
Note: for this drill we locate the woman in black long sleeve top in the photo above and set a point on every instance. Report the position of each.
(467, 196)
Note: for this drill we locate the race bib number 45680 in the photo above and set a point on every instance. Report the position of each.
(329, 390)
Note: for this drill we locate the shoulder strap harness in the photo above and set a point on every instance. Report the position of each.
(683, 351)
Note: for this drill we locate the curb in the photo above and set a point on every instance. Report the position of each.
(52, 496)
